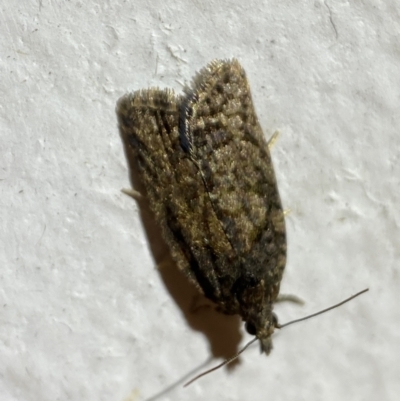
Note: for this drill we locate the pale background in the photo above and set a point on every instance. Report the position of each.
(85, 314)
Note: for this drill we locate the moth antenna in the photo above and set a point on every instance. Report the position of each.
(280, 326)
(226, 362)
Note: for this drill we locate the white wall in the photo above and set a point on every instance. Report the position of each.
(85, 315)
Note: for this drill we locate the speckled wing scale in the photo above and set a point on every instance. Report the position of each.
(209, 179)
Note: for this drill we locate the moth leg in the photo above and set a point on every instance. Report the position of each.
(289, 298)
(164, 263)
(200, 302)
(273, 139)
(133, 193)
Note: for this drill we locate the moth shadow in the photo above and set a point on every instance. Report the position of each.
(222, 331)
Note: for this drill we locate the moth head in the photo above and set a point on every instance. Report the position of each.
(263, 331)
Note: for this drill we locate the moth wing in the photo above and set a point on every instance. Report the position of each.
(226, 142)
(149, 119)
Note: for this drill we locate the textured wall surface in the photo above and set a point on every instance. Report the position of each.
(93, 308)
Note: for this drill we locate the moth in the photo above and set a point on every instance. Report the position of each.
(209, 179)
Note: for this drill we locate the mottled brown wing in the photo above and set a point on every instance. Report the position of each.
(227, 143)
(149, 119)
